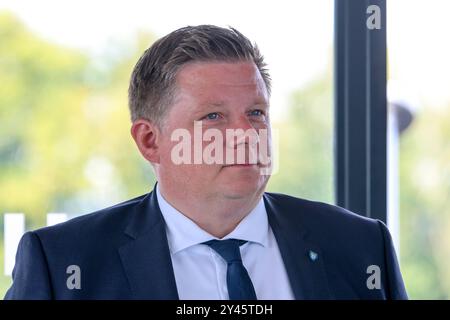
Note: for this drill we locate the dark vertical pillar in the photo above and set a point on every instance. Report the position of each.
(360, 109)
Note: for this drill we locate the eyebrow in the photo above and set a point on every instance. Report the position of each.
(203, 107)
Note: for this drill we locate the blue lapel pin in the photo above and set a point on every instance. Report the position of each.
(313, 255)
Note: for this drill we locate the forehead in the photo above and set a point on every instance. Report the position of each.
(219, 78)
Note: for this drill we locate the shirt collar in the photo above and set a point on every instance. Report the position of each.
(182, 232)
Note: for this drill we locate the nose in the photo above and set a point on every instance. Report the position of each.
(244, 123)
(242, 132)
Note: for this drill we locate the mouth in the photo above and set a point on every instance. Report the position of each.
(243, 165)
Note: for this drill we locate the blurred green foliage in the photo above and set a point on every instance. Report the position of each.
(425, 204)
(59, 112)
(64, 123)
(306, 144)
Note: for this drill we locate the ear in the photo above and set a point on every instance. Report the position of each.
(146, 135)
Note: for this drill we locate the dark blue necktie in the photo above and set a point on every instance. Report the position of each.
(239, 284)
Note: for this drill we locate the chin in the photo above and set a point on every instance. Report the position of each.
(241, 189)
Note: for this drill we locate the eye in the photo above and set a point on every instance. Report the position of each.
(211, 116)
(257, 113)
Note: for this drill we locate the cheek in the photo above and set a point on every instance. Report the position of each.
(178, 170)
(165, 150)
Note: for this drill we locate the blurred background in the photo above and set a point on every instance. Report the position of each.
(65, 145)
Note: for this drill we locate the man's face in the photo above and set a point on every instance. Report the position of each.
(223, 96)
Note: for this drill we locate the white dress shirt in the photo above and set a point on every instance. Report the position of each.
(200, 272)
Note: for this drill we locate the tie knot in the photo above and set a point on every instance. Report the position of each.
(228, 249)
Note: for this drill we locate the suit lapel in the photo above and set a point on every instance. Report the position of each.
(146, 256)
(303, 259)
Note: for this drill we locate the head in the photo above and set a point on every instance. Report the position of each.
(213, 75)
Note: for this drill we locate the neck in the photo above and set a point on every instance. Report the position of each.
(217, 215)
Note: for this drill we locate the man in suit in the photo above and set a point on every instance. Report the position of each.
(207, 230)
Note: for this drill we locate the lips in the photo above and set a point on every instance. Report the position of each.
(243, 165)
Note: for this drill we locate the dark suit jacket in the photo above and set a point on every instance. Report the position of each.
(122, 253)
